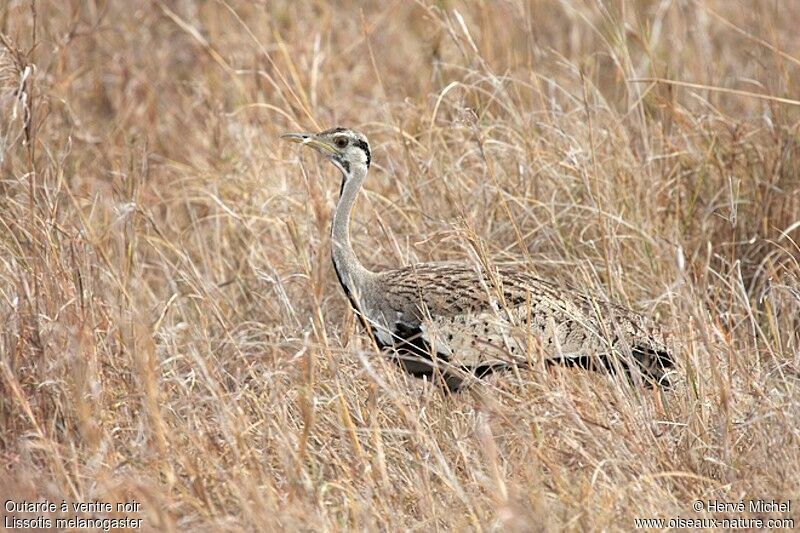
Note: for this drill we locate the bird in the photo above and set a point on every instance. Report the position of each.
(457, 322)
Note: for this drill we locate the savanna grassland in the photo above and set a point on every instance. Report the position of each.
(171, 329)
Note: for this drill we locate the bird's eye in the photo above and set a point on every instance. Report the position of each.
(340, 142)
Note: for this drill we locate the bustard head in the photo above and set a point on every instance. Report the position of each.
(347, 149)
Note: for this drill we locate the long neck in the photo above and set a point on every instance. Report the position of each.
(352, 274)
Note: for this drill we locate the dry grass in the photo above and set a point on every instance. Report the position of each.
(172, 331)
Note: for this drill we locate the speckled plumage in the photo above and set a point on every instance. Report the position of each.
(471, 320)
(457, 321)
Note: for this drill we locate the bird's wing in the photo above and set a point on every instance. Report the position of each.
(473, 319)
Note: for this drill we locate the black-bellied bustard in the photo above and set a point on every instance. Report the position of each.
(460, 320)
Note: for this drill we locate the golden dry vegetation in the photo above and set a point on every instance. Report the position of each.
(172, 331)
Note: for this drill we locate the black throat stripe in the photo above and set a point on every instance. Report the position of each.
(364, 146)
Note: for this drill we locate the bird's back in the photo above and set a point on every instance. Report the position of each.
(479, 321)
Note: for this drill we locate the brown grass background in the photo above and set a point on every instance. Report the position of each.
(171, 330)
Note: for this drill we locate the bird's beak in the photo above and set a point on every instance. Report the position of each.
(309, 139)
